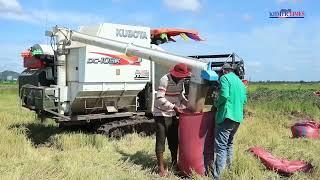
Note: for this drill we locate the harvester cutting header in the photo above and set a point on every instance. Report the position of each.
(109, 72)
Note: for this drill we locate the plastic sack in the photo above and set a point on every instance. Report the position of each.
(307, 129)
(195, 133)
(282, 166)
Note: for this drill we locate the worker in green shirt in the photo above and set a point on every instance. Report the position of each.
(229, 115)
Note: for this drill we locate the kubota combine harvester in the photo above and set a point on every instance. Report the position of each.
(107, 74)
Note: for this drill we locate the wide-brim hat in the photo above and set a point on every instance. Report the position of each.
(180, 71)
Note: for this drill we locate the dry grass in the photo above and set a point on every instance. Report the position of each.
(31, 150)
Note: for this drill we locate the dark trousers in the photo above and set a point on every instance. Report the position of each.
(166, 127)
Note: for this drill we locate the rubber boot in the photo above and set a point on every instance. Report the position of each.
(161, 167)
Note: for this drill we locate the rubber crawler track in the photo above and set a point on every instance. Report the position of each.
(116, 128)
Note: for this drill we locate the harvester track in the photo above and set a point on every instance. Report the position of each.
(118, 128)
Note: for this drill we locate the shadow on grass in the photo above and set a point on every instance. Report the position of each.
(141, 158)
(40, 133)
(147, 162)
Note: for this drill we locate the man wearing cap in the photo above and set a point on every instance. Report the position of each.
(170, 101)
(229, 115)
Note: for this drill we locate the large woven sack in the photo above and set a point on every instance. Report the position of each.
(305, 129)
(281, 166)
(195, 142)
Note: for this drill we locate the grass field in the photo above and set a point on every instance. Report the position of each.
(33, 150)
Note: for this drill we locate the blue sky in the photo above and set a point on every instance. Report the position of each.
(273, 49)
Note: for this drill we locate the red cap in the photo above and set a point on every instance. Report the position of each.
(180, 71)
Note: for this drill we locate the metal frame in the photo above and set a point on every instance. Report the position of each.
(89, 117)
(43, 94)
(233, 57)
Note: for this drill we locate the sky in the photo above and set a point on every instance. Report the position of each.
(273, 49)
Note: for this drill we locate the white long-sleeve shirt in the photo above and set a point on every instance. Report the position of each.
(168, 95)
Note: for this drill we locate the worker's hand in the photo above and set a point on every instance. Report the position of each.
(177, 109)
(214, 109)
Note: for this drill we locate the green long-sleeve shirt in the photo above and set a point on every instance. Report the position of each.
(231, 100)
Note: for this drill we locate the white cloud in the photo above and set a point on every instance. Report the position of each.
(12, 10)
(10, 6)
(10, 59)
(279, 50)
(183, 5)
(287, 52)
(20, 16)
(53, 18)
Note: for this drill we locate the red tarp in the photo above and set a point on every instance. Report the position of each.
(155, 33)
(282, 166)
